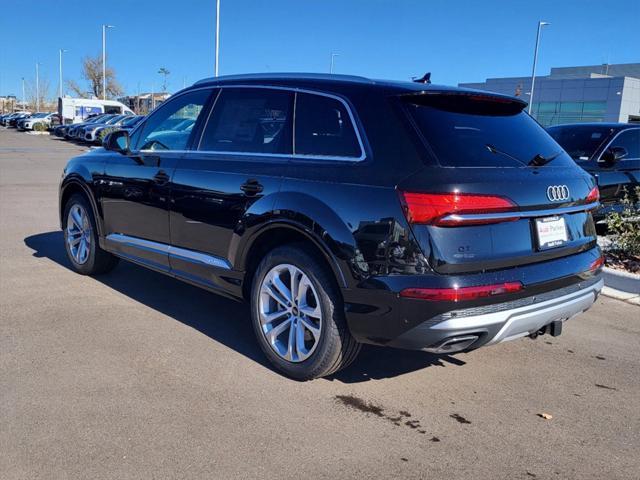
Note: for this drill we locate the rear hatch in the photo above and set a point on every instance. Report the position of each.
(496, 190)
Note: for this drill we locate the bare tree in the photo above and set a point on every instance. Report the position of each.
(92, 73)
(77, 90)
(165, 73)
(39, 96)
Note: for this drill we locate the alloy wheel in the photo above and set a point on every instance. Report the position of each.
(290, 313)
(78, 234)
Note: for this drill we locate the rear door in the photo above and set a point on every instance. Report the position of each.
(135, 191)
(497, 191)
(235, 167)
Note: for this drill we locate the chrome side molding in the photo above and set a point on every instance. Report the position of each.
(175, 252)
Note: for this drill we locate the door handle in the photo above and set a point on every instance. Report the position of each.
(251, 187)
(161, 178)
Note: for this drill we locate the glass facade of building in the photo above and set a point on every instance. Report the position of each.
(555, 113)
(589, 93)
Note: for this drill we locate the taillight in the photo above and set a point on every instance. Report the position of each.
(594, 195)
(454, 209)
(597, 264)
(461, 294)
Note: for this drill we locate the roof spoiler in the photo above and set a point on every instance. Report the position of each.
(466, 101)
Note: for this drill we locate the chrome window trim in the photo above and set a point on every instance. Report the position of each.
(615, 137)
(522, 214)
(295, 156)
(177, 252)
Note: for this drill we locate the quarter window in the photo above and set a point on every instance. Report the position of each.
(170, 127)
(631, 141)
(250, 120)
(323, 128)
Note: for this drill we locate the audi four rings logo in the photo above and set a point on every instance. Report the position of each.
(556, 193)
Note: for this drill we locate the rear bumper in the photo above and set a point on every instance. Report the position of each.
(475, 327)
(377, 314)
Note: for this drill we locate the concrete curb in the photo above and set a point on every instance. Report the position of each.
(623, 296)
(623, 281)
(621, 285)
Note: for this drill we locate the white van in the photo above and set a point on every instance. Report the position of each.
(76, 110)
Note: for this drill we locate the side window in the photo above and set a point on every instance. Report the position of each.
(250, 120)
(169, 127)
(631, 141)
(323, 128)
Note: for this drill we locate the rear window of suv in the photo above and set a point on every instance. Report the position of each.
(480, 131)
(580, 141)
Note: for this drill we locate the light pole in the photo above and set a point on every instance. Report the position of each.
(37, 87)
(217, 35)
(62, 50)
(333, 56)
(104, 60)
(535, 63)
(24, 96)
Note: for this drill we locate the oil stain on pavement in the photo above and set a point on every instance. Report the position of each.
(403, 417)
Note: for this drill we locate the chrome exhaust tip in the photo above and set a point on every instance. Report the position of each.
(454, 344)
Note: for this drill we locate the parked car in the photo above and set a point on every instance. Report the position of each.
(608, 151)
(5, 118)
(13, 121)
(454, 223)
(88, 132)
(71, 133)
(128, 123)
(61, 130)
(11, 116)
(42, 118)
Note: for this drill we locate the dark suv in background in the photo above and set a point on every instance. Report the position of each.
(608, 151)
(346, 211)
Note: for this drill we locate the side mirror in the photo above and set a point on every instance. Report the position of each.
(613, 155)
(117, 141)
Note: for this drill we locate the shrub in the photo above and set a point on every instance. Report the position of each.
(104, 132)
(39, 127)
(625, 226)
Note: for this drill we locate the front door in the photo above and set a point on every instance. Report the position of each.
(136, 188)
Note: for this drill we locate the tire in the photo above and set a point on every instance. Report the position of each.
(318, 308)
(93, 260)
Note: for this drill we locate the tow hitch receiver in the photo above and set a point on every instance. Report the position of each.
(554, 329)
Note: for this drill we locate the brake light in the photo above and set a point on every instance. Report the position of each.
(594, 195)
(453, 209)
(597, 264)
(461, 294)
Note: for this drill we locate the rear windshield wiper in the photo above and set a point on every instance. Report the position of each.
(493, 149)
(540, 160)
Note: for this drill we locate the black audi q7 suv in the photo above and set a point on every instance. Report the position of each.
(346, 211)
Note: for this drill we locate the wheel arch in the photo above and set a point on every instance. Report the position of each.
(75, 185)
(278, 233)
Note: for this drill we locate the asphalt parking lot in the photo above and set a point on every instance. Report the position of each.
(136, 375)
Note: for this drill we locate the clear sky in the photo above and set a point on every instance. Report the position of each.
(458, 41)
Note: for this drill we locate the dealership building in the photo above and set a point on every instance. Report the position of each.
(595, 93)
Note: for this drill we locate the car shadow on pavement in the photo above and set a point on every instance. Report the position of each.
(224, 320)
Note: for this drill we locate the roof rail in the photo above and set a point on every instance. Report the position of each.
(286, 76)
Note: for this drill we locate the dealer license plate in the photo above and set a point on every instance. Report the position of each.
(552, 232)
